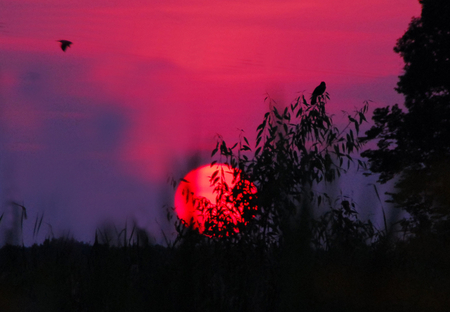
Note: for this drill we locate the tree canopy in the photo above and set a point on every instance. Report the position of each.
(414, 145)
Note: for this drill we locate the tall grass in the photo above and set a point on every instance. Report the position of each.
(346, 266)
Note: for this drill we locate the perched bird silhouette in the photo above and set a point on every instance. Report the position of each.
(318, 91)
(64, 44)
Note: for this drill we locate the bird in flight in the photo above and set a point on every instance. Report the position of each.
(318, 91)
(64, 44)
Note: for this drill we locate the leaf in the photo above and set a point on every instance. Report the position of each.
(258, 140)
(336, 149)
(215, 173)
(259, 134)
(304, 100)
(361, 117)
(275, 111)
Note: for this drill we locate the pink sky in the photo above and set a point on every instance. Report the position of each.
(147, 85)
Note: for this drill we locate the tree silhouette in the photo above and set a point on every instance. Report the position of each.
(296, 149)
(415, 145)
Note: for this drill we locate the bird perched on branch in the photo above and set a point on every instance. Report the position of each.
(318, 91)
(64, 44)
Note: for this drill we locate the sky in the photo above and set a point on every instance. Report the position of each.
(91, 135)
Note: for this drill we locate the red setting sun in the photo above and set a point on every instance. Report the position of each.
(214, 200)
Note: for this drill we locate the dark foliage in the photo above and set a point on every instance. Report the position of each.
(64, 275)
(415, 145)
(296, 150)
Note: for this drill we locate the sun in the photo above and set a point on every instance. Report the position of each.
(215, 200)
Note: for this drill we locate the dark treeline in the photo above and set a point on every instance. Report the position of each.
(202, 274)
(282, 255)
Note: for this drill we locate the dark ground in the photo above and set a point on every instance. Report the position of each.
(65, 275)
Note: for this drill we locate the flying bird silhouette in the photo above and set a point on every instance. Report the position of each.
(64, 44)
(318, 91)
